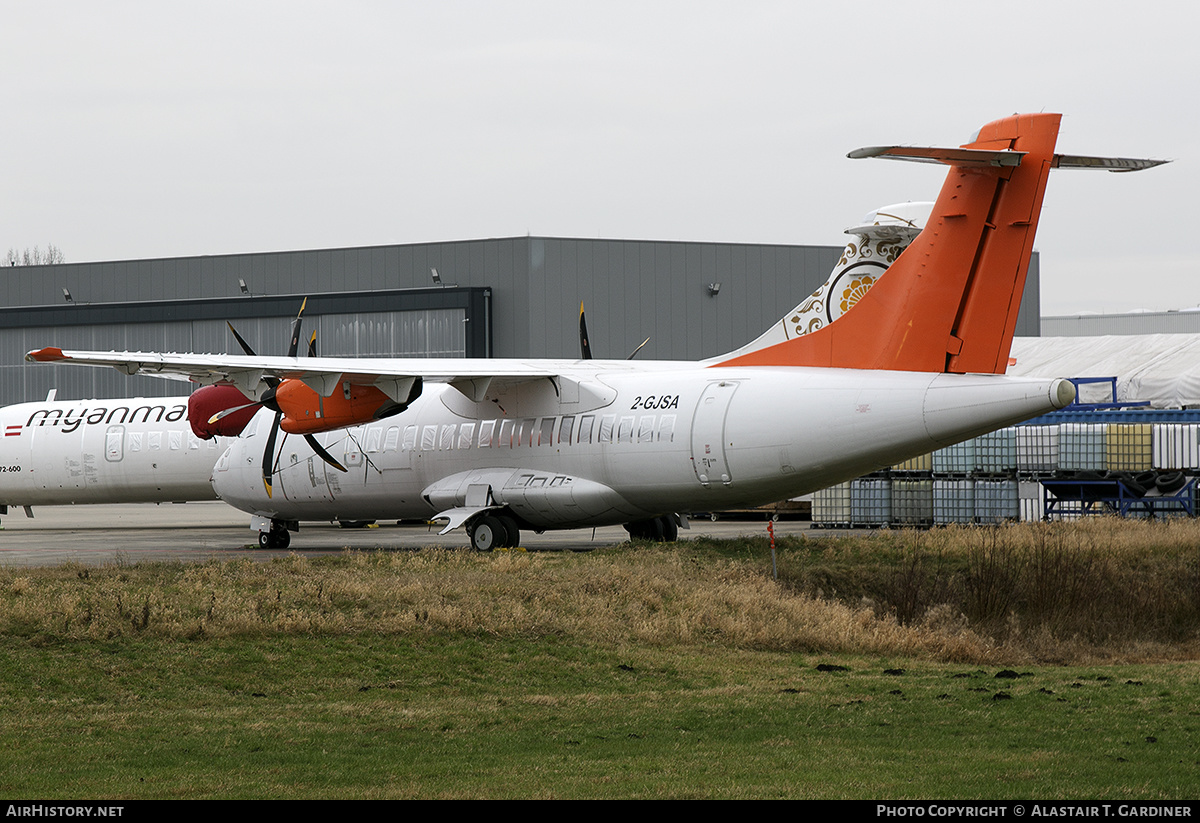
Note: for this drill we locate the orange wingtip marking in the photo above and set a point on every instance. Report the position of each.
(47, 355)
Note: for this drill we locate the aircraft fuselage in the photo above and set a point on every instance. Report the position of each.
(614, 443)
(138, 450)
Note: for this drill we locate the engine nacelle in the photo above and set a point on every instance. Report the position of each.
(306, 412)
(206, 401)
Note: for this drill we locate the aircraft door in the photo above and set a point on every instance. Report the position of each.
(708, 433)
(114, 444)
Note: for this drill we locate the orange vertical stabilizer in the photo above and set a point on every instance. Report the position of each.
(949, 303)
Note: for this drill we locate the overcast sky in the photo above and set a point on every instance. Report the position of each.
(148, 129)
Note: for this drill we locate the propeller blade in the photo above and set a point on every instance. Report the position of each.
(268, 400)
(638, 349)
(585, 348)
(269, 453)
(270, 381)
(241, 342)
(226, 412)
(294, 346)
(321, 453)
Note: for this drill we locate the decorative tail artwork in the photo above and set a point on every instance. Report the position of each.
(876, 243)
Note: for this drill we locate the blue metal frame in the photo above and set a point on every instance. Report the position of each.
(1088, 497)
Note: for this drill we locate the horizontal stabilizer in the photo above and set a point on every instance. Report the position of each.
(967, 158)
(949, 156)
(1078, 161)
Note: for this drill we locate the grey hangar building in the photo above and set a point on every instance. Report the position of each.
(516, 297)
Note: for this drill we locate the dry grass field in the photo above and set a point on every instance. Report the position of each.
(1063, 592)
(1036, 660)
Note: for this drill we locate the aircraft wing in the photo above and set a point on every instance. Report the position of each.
(393, 375)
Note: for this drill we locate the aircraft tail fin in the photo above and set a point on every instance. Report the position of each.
(949, 302)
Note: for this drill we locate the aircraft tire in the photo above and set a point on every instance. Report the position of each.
(354, 524)
(274, 539)
(488, 533)
(640, 530)
(670, 531)
(656, 529)
(512, 532)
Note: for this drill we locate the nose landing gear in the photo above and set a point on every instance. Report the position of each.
(276, 537)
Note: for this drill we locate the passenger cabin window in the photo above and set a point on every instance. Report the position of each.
(428, 438)
(586, 424)
(410, 438)
(392, 440)
(448, 434)
(546, 435)
(666, 429)
(646, 429)
(564, 431)
(506, 434)
(606, 429)
(486, 430)
(466, 434)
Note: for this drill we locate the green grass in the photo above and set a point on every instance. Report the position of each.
(384, 716)
(645, 672)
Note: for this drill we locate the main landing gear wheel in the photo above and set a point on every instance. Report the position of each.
(512, 532)
(656, 529)
(495, 531)
(488, 533)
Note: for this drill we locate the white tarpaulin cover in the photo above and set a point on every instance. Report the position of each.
(1163, 369)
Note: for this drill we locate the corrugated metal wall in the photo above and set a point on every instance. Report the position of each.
(1091, 325)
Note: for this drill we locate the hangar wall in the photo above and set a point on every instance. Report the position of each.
(532, 288)
(417, 322)
(1186, 321)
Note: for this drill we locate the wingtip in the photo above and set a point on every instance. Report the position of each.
(50, 354)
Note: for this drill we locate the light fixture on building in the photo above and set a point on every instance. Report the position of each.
(67, 295)
(437, 280)
(714, 289)
(242, 285)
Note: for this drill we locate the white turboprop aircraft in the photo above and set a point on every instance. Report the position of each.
(148, 450)
(916, 363)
